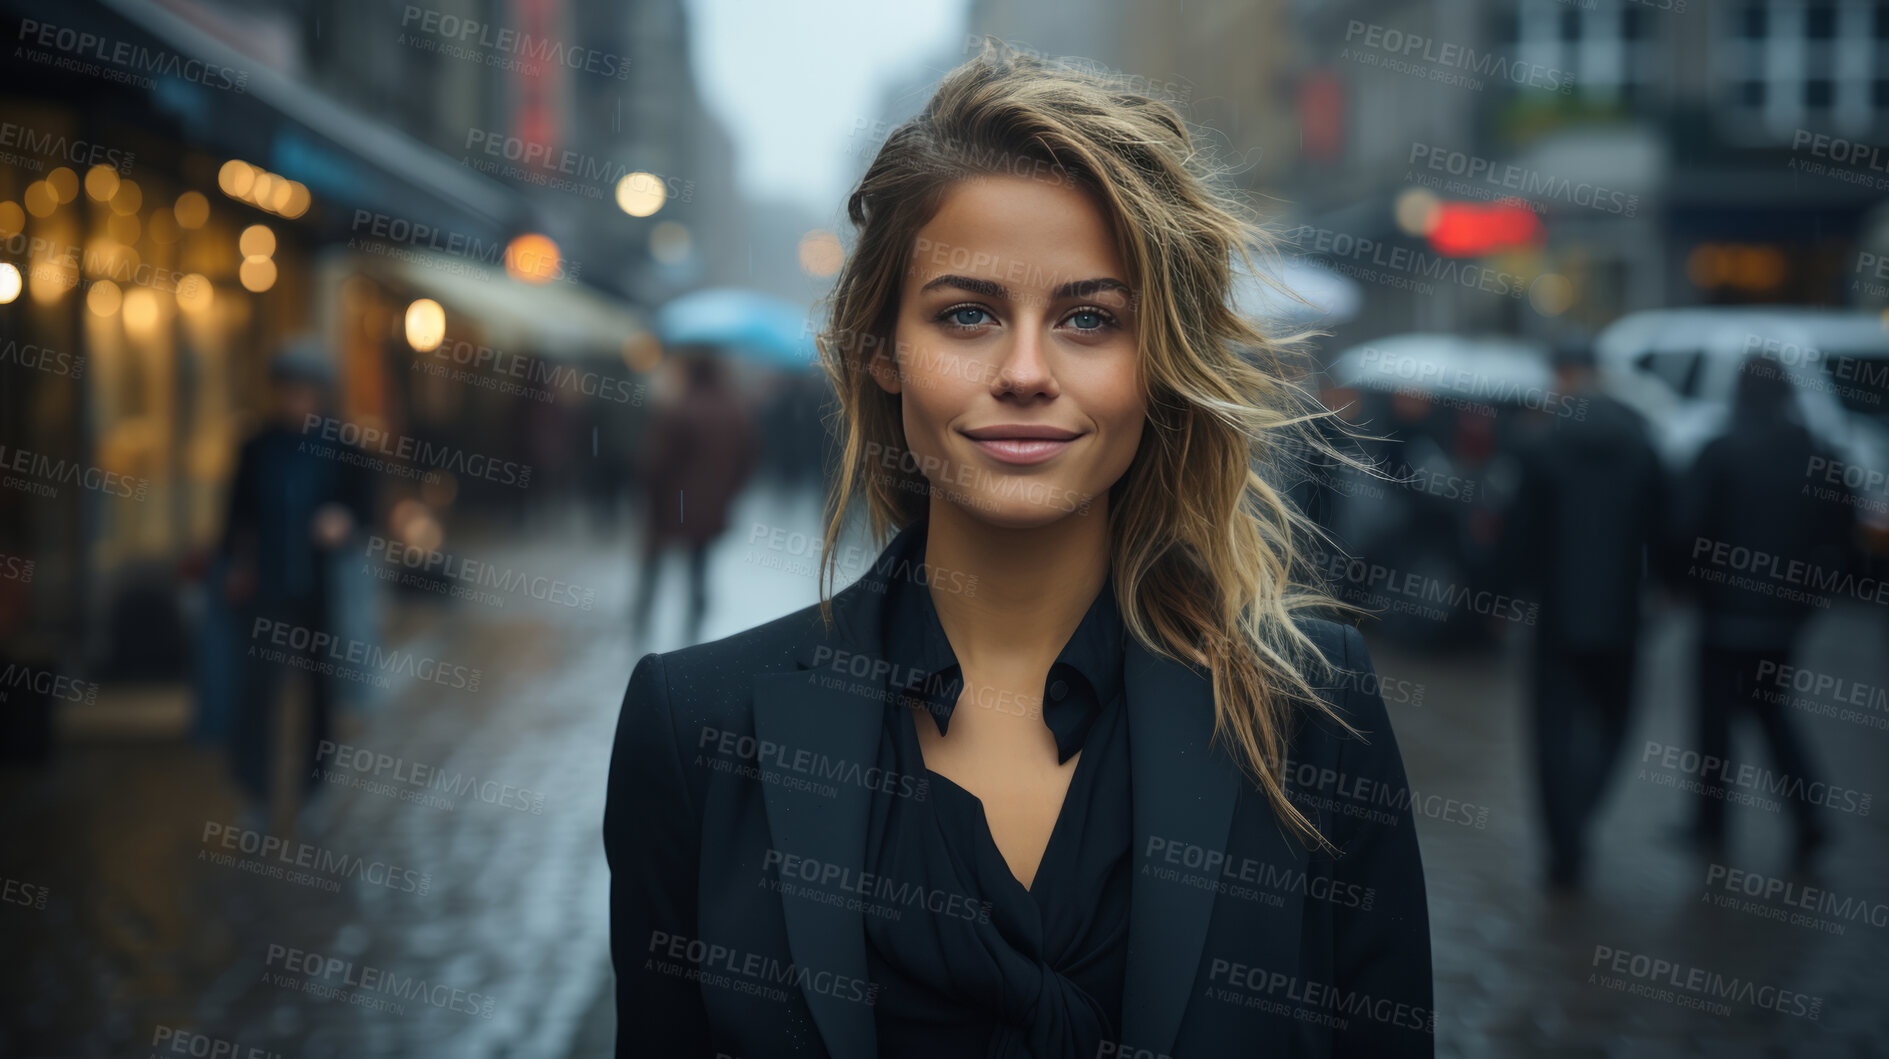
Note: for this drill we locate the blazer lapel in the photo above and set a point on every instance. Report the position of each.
(796, 717)
(1182, 792)
(817, 731)
(1185, 792)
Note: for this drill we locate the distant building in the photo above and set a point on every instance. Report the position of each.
(1673, 151)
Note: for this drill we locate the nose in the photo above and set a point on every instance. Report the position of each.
(1024, 367)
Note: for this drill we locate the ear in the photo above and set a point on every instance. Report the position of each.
(885, 371)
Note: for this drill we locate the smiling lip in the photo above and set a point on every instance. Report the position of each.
(1021, 443)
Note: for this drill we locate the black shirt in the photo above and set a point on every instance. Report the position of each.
(970, 962)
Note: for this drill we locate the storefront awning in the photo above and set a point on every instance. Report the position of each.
(348, 160)
(556, 319)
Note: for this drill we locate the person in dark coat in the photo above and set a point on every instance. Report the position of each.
(295, 499)
(1588, 526)
(696, 456)
(1747, 491)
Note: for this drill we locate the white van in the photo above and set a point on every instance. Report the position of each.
(1679, 367)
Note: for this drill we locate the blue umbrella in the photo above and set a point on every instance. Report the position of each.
(767, 328)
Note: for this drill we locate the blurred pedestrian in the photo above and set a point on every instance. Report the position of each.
(1587, 527)
(1746, 495)
(295, 499)
(697, 454)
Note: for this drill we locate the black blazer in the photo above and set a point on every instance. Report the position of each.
(1241, 942)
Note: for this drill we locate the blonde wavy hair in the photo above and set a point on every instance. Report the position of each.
(1211, 561)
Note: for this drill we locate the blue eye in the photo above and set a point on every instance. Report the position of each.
(954, 316)
(1101, 319)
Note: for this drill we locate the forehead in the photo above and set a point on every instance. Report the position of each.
(1028, 234)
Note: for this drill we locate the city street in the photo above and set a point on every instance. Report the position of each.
(353, 355)
(496, 896)
(1513, 967)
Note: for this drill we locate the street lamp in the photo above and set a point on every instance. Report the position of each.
(426, 325)
(641, 194)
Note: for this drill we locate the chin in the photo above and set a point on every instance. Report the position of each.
(1029, 506)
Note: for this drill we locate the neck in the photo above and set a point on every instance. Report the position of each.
(1034, 583)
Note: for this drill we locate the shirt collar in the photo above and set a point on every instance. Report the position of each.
(1086, 676)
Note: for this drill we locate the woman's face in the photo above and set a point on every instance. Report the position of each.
(1017, 354)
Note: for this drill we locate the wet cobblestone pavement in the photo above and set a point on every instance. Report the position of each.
(145, 936)
(1516, 971)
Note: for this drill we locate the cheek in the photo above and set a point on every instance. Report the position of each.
(926, 404)
(1123, 418)
(937, 384)
(1113, 401)
(1128, 431)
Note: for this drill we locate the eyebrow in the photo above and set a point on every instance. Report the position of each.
(1080, 288)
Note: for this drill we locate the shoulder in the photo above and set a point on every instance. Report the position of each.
(712, 682)
(675, 698)
(1352, 689)
(1338, 644)
(769, 646)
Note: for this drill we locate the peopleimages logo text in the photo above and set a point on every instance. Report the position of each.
(1415, 46)
(511, 42)
(333, 648)
(1528, 183)
(1705, 984)
(58, 146)
(413, 450)
(1751, 777)
(128, 57)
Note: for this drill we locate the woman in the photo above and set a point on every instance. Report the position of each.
(1071, 770)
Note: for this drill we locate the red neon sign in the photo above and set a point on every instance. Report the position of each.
(1470, 229)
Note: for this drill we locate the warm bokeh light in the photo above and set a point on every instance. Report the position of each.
(64, 183)
(163, 227)
(262, 189)
(641, 194)
(101, 181)
(532, 258)
(642, 352)
(12, 219)
(821, 253)
(439, 490)
(670, 242)
(1417, 210)
(1551, 294)
(413, 522)
(9, 283)
(128, 197)
(236, 178)
(256, 241)
(1750, 267)
(257, 274)
(426, 325)
(40, 199)
(46, 282)
(297, 202)
(104, 298)
(109, 257)
(194, 293)
(192, 209)
(142, 311)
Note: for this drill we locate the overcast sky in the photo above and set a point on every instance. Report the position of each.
(792, 81)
